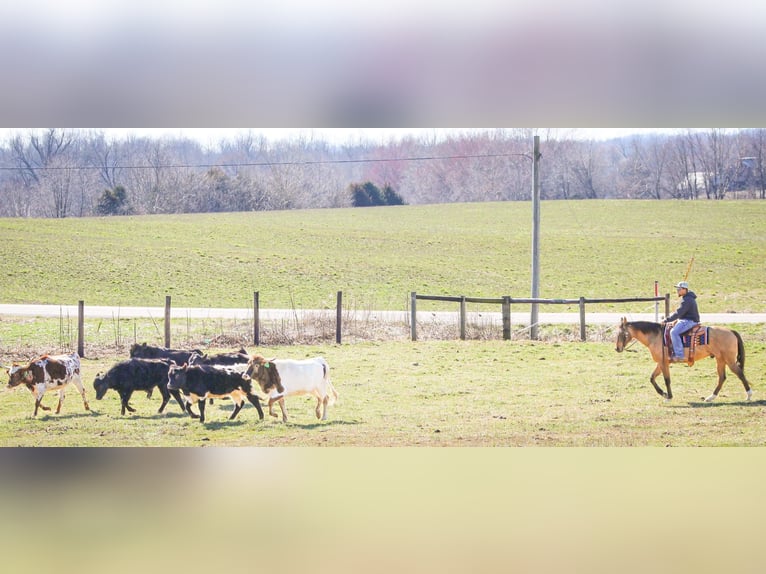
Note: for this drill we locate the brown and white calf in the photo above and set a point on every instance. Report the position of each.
(280, 378)
(48, 373)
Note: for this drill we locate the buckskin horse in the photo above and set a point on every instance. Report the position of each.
(722, 343)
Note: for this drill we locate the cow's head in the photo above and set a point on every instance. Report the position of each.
(265, 372)
(18, 375)
(176, 377)
(101, 384)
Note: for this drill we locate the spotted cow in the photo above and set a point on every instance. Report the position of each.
(48, 373)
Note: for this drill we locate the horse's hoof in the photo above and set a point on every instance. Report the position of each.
(749, 396)
(711, 398)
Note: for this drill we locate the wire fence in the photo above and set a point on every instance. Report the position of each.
(95, 331)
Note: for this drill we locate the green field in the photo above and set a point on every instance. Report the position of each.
(594, 249)
(394, 392)
(452, 393)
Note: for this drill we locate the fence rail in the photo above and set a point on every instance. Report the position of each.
(506, 303)
(327, 320)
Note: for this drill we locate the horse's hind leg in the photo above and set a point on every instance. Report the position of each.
(721, 378)
(740, 372)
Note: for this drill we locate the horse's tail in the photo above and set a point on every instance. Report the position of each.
(740, 351)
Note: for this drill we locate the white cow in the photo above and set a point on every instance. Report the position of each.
(280, 378)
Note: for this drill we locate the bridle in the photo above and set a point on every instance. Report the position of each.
(625, 338)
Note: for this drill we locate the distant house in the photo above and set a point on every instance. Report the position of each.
(738, 178)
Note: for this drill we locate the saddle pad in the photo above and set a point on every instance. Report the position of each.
(698, 331)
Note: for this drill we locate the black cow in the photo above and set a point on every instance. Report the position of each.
(139, 375)
(222, 359)
(144, 351)
(200, 382)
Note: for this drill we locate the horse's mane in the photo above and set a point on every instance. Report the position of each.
(646, 327)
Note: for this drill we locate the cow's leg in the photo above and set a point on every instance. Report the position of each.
(183, 403)
(256, 402)
(189, 410)
(318, 410)
(284, 411)
(38, 394)
(78, 383)
(201, 405)
(61, 399)
(165, 399)
(325, 401)
(273, 400)
(125, 396)
(237, 407)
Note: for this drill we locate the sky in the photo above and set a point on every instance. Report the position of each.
(635, 62)
(212, 136)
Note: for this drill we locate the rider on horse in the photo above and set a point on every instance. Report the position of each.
(688, 316)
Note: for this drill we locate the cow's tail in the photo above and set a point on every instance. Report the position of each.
(331, 392)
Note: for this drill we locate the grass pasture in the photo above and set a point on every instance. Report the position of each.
(395, 392)
(452, 393)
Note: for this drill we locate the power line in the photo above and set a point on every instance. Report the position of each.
(266, 163)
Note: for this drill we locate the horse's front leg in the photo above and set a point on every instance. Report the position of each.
(660, 368)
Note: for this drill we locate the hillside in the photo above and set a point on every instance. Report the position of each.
(378, 255)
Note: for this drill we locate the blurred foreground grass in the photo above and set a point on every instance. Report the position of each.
(382, 510)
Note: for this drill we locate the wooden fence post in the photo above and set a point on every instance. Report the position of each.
(414, 316)
(582, 318)
(256, 318)
(506, 318)
(81, 328)
(667, 304)
(339, 318)
(462, 317)
(167, 321)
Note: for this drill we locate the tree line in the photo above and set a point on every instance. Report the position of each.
(75, 173)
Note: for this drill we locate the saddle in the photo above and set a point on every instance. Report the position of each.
(697, 335)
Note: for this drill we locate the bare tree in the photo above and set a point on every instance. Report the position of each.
(45, 169)
(754, 144)
(59, 173)
(646, 161)
(683, 167)
(104, 156)
(716, 157)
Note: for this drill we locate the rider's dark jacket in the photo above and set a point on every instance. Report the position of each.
(688, 309)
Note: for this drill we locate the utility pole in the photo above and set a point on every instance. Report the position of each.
(535, 239)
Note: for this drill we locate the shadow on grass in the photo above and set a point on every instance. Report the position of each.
(716, 404)
(321, 424)
(66, 416)
(215, 425)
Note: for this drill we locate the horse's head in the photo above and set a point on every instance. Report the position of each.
(623, 336)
